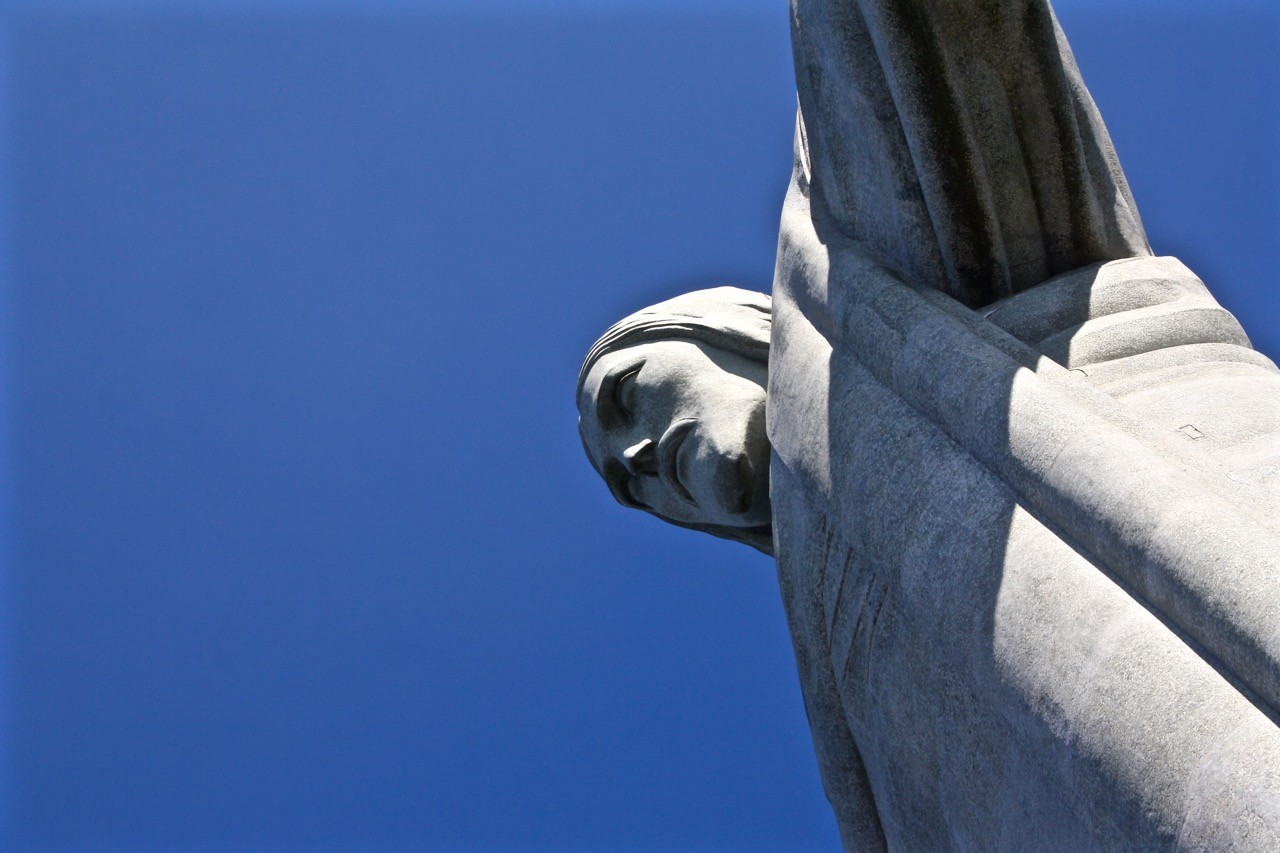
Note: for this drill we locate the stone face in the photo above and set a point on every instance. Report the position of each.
(671, 404)
(1023, 482)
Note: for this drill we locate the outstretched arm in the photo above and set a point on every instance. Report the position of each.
(955, 141)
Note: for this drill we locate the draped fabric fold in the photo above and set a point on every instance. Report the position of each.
(956, 143)
(1027, 553)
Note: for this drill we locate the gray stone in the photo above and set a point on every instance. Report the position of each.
(1023, 476)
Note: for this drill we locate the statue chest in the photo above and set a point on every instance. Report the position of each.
(974, 655)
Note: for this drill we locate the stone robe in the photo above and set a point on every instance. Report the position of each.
(1025, 490)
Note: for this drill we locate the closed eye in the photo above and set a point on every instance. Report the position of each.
(624, 393)
(616, 398)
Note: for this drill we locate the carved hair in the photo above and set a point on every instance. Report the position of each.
(728, 318)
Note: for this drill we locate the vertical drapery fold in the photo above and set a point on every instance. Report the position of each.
(955, 141)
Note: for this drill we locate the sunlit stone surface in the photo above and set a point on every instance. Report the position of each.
(1024, 481)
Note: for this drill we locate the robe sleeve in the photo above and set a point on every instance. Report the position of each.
(955, 142)
(840, 764)
(844, 777)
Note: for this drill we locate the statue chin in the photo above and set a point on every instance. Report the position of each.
(740, 481)
(739, 492)
(754, 471)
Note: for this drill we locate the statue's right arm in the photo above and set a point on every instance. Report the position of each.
(955, 143)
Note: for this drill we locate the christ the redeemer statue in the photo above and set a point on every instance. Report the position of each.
(1021, 477)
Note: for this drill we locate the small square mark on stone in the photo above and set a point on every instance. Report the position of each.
(1191, 432)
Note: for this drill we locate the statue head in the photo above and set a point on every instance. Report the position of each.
(671, 405)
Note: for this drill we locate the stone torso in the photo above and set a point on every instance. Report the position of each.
(972, 679)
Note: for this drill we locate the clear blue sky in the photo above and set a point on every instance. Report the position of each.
(300, 549)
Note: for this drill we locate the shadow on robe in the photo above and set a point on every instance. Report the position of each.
(1026, 509)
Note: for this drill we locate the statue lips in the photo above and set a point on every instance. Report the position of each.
(669, 456)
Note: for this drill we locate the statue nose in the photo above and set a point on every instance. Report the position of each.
(641, 457)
